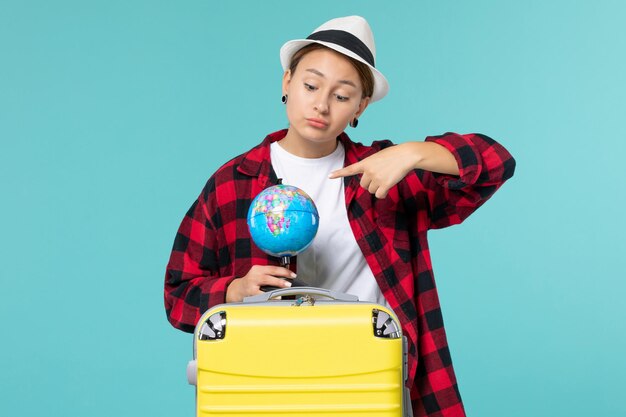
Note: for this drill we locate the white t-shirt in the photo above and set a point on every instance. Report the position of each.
(334, 260)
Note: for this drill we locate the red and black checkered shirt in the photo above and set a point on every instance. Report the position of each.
(213, 245)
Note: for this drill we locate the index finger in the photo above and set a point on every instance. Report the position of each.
(353, 169)
(279, 271)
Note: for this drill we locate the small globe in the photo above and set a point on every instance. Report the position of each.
(283, 220)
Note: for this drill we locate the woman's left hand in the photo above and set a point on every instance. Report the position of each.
(387, 167)
(381, 171)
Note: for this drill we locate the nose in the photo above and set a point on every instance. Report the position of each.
(322, 105)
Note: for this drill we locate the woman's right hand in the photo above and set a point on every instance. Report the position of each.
(258, 276)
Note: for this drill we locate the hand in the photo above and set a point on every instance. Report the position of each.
(382, 170)
(258, 276)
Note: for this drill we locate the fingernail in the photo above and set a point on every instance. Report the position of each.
(293, 275)
(287, 284)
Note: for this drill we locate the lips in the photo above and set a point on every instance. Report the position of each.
(318, 123)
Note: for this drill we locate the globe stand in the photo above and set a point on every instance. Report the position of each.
(295, 282)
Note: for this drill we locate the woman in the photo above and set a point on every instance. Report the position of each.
(376, 204)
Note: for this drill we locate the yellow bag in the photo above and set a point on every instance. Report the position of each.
(322, 354)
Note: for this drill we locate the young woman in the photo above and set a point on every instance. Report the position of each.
(376, 204)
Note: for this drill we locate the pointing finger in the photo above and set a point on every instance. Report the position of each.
(347, 171)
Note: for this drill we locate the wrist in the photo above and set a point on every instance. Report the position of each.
(415, 152)
(232, 291)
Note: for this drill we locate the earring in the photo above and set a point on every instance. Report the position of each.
(284, 99)
(354, 122)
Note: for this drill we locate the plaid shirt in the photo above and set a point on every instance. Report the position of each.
(213, 245)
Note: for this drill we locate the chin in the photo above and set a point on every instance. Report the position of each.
(321, 139)
(320, 135)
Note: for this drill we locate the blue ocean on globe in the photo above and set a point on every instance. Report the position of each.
(283, 220)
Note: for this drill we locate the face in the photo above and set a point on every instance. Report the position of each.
(324, 95)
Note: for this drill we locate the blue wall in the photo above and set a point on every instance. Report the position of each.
(114, 113)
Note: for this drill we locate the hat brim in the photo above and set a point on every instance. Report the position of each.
(381, 86)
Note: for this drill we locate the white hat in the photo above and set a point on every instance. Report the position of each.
(350, 36)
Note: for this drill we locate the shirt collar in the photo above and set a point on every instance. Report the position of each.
(257, 163)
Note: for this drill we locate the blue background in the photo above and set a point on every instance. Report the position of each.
(114, 113)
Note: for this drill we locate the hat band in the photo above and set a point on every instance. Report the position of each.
(345, 39)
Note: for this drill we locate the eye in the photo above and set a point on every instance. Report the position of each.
(309, 87)
(342, 98)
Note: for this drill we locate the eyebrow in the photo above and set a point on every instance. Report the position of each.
(316, 72)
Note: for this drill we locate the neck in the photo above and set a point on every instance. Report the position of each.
(304, 148)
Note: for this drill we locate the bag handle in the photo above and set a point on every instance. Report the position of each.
(335, 295)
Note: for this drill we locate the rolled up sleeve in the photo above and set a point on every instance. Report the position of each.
(484, 165)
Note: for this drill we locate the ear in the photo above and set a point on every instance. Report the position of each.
(286, 81)
(362, 106)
